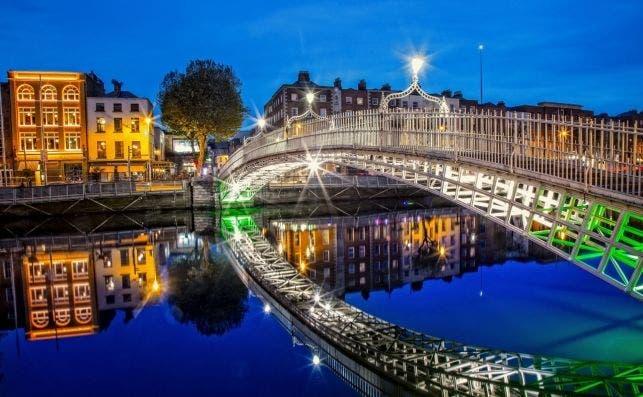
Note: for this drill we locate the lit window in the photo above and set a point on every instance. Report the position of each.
(51, 141)
(49, 116)
(100, 124)
(118, 124)
(28, 141)
(140, 256)
(293, 97)
(101, 150)
(71, 93)
(136, 149)
(72, 140)
(326, 255)
(322, 98)
(26, 93)
(135, 124)
(48, 93)
(349, 99)
(109, 283)
(71, 116)
(26, 116)
(362, 251)
(81, 293)
(362, 267)
(360, 101)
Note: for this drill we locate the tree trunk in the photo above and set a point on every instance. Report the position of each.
(202, 152)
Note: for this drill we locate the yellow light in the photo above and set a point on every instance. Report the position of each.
(302, 266)
(442, 251)
(156, 286)
(148, 120)
(310, 97)
(442, 127)
(564, 132)
(416, 64)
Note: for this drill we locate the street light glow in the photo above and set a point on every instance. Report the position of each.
(317, 297)
(416, 64)
(480, 47)
(310, 97)
(261, 123)
(266, 308)
(316, 360)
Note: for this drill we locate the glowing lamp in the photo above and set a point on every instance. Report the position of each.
(310, 97)
(316, 360)
(261, 123)
(416, 64)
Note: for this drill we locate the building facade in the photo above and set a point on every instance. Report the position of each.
(48, 125)
(6, 141)
(120, 136)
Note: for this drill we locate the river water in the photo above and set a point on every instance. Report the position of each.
(134, 304)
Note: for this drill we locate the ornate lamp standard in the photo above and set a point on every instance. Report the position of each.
(417, 62)
(310, 98)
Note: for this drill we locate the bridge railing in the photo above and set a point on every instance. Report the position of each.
(582, 153)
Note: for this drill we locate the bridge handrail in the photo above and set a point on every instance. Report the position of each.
(585, 154)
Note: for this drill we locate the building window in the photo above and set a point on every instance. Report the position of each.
(28, 140)
(101, 150)
(118, 107)
(49, 116)
(110, 299)
(375, 101)
(349, 99)
(135, 124)
(38, 296)
(360, 101)
(351, 268)
(140, 256)
(118, 150)
(52, 141)
(72, 140)
(294, 111)
(415, 105)
(351, 252)
(100, 107)
(71, 93)
(326, 256)
(100, 124)
(26, 93)
(362, 251)
(405, 104)
(126, 281)
(81, 293)
(136, 149)
(109, 283)
(127, 298)
(71, 116)
(325, 236)
(124, 257)
(134, 107)
(322, 112)
(322, 98)
(362, 233)
(48, 93)
(293, 97)
(26, 116)
(118, 124)
(61, 294)
(362, 280)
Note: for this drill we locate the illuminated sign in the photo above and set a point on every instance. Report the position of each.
(184, 146)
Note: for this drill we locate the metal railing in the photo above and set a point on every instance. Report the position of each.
(50, 193)
(605, 158)
(359, 181)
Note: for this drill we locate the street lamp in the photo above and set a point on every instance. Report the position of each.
(480, 48)
(261, 123)
(416, 64)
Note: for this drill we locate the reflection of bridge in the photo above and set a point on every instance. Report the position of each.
(573, 186)
(394, 360)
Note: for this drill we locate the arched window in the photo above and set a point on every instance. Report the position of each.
(48, 93)
(71, 93)
(26, 93)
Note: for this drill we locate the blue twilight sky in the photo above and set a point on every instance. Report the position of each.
(586, 52)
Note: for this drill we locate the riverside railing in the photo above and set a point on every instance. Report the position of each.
(602, 157)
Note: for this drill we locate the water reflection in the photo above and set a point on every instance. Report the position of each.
(208, 293)
(384, 251)
(73, 284)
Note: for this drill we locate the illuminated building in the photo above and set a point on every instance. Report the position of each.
(48, 120)
(125, 272)
(59, 296)
(120, 136)
(6, 146)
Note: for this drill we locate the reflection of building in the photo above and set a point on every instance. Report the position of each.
(48, 119)
(381, 251)
(120, 135)
(182, 152)
(125, 272)
(59, 296)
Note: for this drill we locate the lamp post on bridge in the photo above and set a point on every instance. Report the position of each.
(480, 48)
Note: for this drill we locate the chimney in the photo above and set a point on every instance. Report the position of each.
(303, 76)
(386, 87)
(117, 87)
(458, 94)
(338, 83)
(361, 85)
(446, 93)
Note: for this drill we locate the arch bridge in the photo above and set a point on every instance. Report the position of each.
(572, 185)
